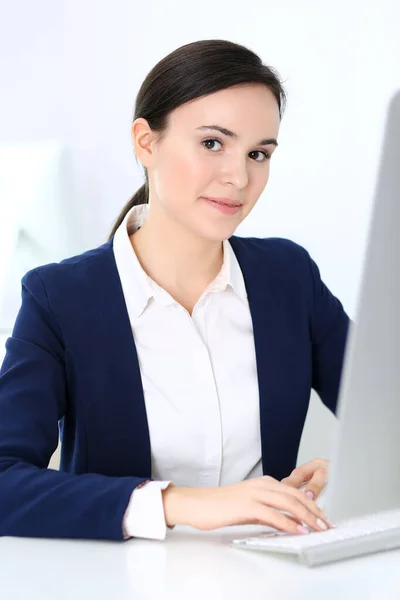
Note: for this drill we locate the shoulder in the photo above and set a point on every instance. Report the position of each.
(281, 252)
(277, 245)
(71, 275)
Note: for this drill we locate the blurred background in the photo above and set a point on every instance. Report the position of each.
(69, 74)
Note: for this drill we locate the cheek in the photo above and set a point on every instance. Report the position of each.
(264, 177)
(183, 172)
(262, 183)
(169, 177)
(254, 191)
(258, 183)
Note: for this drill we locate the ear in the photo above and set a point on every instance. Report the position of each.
(143, 141)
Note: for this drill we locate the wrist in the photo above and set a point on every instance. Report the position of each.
(178, 504)
(182, 504)
(171, 502)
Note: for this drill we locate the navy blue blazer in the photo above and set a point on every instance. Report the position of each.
(71, 367)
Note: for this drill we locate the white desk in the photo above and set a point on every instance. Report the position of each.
(189, 564)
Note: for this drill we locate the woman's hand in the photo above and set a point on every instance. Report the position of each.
(313, 474)
(258, 501)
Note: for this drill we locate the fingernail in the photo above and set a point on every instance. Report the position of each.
(302, 529)
(322, 524)
(331, 524)
(310, 495)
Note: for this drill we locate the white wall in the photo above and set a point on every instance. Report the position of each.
(70, 70)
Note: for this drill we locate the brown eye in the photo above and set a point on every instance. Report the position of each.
(267, 156)
(213, 140)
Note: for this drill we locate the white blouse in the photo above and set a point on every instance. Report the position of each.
(199, 379)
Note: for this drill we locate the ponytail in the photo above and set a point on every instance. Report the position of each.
(141, 197)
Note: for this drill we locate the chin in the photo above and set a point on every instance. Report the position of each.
(217, 234)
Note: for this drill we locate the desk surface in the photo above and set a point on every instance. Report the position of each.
(188, 564)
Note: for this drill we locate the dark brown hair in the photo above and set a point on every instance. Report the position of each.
(187, 73)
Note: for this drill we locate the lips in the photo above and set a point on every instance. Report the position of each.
(222, 206)
(224, 201)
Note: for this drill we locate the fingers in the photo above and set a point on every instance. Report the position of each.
(296, 508)
(275, 485)
(272, 518)
(295, 479)
(305, 472)
(299, 475)
(316, 483)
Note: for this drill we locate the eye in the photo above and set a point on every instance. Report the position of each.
(266, 154)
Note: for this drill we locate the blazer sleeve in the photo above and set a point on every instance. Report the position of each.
(329, 333)
(36, 501)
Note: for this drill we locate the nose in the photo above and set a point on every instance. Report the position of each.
(235, 171)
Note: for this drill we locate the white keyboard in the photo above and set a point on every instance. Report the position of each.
(352, 537)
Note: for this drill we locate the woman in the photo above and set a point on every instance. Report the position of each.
(177, 358)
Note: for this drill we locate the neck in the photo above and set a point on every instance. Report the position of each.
(174, 257)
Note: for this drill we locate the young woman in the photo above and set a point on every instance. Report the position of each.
(177, 358)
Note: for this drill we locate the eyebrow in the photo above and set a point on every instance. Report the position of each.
(235, 135)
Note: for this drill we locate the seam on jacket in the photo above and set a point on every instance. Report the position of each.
(49, 305)
(313, 314)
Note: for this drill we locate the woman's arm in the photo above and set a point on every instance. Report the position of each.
(36, 501)
(329, 333)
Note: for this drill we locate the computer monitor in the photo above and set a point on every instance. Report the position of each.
(364, 475)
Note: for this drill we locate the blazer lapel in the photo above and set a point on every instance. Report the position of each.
(119, 441)
(281, 416)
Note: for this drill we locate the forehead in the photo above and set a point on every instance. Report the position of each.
(247, 109)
